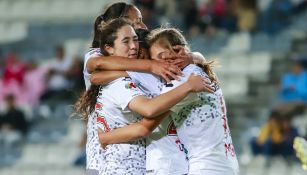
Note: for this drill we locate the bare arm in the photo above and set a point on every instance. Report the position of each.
(150, 108)
(130, 132)
(104, 77)
(160, 68)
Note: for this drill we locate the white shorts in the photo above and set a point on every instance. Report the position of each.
(214, 162)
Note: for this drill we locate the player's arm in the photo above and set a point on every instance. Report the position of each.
(117, 63)
(104, 77)
(150, 108)
(130, 132)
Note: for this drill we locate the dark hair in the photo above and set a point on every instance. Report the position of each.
(169, 37)
(275, 114)
(116, 10)
(108, 34)
(142, 37)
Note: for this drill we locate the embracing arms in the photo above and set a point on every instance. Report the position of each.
(130, 132)
(116, 63)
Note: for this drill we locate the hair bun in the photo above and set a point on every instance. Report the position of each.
(102, 25)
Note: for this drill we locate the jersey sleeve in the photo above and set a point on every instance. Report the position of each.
(148, 82)
(124, 91)
(90, 54)
(192, 97)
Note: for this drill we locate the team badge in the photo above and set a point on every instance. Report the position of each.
(130, 85)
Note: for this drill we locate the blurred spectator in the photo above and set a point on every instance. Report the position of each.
(293, 91)
(168, 9)
(269, 138)
(13, 76)
(13, 125)
(190, 13)
(14, 118)
(75, 74)
(34, 83)
(276, 137)
(57, 80)
(289, 132)
(276, 16)
(247, 15)
(213, 12)
(229, 21)
(149, 16)
(14, 70)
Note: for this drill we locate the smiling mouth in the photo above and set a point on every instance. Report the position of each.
(133, 55)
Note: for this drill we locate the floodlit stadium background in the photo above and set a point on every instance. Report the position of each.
(255, 42)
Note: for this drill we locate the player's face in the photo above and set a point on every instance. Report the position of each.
(126, 43)
(157, 51)
(135, 16)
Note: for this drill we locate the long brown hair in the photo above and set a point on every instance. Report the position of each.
(108, 30)
(169, 37)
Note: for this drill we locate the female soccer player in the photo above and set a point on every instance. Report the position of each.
(201, 122)
(95, 60)
(119, 102)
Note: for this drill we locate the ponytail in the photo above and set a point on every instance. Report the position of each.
(86, 103)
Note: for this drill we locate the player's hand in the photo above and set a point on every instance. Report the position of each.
(165, 70)
(198, 83)
(184, 54)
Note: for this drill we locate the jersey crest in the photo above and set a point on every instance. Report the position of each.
(130, 85)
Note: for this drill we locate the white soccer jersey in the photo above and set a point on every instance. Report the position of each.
(93, 52)
(94, 156)
(202, 128)
(112, 112)
(165, 155)
(94, 152)
(148, 83)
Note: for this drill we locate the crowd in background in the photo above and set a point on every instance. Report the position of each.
(26, 86)
(269, 16)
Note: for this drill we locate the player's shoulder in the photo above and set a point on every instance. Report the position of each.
(92, 52)
(193, 68)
